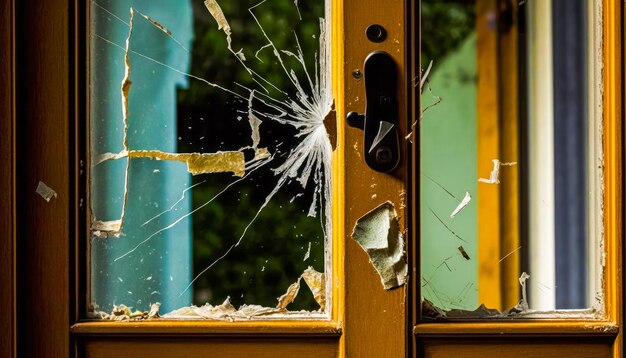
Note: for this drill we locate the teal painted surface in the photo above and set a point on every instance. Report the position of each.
(448, 156)
(159, 270)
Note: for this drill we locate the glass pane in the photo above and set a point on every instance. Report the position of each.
(210, 169)
(506, 180)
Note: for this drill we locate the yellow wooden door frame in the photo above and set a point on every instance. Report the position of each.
(375, 319)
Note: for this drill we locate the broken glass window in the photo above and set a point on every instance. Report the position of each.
(507, 233)
(210, 160)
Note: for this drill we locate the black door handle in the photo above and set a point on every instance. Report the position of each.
(380, 121)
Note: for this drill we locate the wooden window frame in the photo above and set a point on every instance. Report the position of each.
(42, 110)
(44, 278)
(600, 335)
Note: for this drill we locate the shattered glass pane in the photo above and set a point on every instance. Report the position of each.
(210, 165)
(507, 166)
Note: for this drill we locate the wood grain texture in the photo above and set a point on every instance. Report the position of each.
(42, 155)
(7, 181)
(207, 348)
(375, 319)
(515, 348)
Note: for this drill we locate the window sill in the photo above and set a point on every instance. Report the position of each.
(553, 327)
(165, 327)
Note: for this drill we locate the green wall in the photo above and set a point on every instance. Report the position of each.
(448, 157)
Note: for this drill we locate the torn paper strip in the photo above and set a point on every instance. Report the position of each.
(494, 176)
(45, 191)
(224, 312)
(255, 123)
(102, 228)
(197, 163)
(317, 284)
(462, 204)
(217, 13)
(200, 163)
(289, 296)
(125, 89)
(378, 233)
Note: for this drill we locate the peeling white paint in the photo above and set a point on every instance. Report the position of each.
(494, 176)
(378, 233)
(461, 205)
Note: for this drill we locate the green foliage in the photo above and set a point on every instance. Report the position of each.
(212, 60)
(270, 256)
(445, 24)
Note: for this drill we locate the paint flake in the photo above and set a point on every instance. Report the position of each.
(494, 176)
(523, 303)
(289, 296)
(123, 313)
(217, 13)
(308, 253)
(224, 312)
(461, 205)
(45, 191)
(378, 233)
(463, 252)
(197, 163)
(317, 284)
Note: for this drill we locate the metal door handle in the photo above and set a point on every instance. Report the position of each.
(380, 121)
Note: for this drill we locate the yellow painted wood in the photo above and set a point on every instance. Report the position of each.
(375, 319)
(509, 152)
(515, 348)
(613, 119)
(497, 130)
(338, 168)
(189, 347)
(489, 134)
(539, 327)
(265, 327)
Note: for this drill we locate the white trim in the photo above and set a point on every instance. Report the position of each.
(595, 161)
(542, 295)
